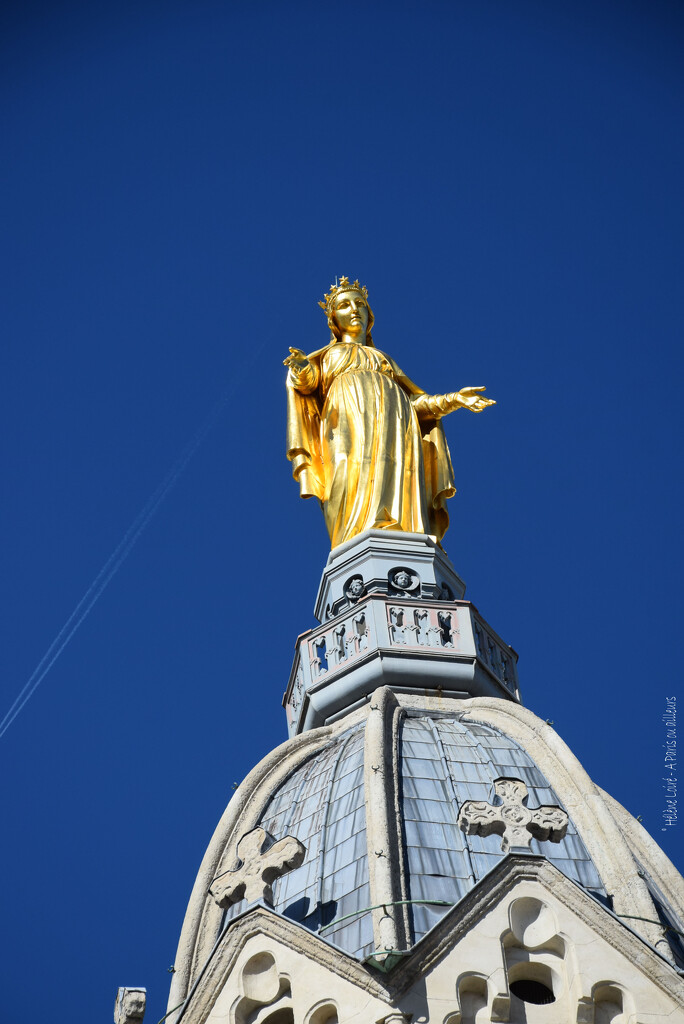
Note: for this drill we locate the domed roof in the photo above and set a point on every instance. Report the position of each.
(443, 761)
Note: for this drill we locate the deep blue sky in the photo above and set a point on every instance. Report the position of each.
(180, 182)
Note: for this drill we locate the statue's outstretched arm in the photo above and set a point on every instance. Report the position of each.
(441, 405)
(303, 375)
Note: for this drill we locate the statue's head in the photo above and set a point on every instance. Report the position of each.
(346, 307)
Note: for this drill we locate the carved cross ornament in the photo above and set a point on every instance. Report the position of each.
(511, 819)
(262, 861)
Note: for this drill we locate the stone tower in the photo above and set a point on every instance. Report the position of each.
(423, 848)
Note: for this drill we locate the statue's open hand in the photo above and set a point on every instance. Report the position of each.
(471, 399)
(297, 360)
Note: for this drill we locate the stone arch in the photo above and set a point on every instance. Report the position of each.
(612, 1004)
(284, 1015)
(473, 997)
(533, 924)
(262, 985)
(260, 980)
(534, 982)
(322, 1013)
(535, 958)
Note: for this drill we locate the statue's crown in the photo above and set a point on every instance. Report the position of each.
(344, 285)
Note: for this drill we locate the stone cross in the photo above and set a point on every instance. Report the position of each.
(262, 861)
(511, 819)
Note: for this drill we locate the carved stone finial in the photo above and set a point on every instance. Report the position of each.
(262, 861)
(511, 819)
(130, 1005)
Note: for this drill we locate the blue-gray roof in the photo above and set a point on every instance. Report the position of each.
(444, 761)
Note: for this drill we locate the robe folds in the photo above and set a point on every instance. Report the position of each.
(363, 442)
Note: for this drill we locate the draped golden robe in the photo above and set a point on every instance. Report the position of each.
(366, 441)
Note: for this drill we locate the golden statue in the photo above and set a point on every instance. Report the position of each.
(362, 438)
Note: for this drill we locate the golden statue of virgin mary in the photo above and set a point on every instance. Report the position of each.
(363, 438)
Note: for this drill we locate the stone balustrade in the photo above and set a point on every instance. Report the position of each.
(440, 645)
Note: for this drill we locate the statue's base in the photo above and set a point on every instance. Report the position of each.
(376, 557)
(392, 612)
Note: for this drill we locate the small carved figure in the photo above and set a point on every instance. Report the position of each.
(361, 436)
(355, 589)
(402, 580)
(130, 1005)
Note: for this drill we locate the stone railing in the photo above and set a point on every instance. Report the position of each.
(496, 655)
(443, 645)
(332, 647)
(422, 627)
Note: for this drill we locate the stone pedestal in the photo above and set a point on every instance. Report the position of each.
(386, 562)
(392, 612)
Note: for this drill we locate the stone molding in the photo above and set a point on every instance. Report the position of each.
(383, 830)
(657, 863)
(262, 922)
(495, 887)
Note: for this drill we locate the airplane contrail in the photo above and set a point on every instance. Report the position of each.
(112, 565)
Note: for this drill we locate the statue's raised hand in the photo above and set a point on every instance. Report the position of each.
(471, 399)
(296, 360)
(441, 405)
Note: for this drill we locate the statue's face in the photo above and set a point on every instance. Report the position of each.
(351, 313)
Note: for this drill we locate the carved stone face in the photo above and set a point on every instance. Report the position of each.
(402, 580)
(355, 588)
(351, 314)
